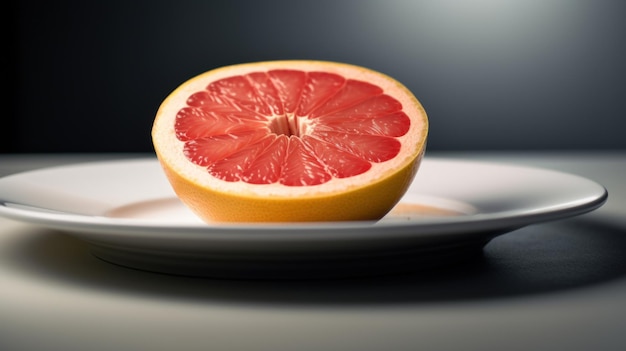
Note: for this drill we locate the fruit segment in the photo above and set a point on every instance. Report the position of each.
(290, 127)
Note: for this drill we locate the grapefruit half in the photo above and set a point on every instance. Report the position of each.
(290, 141)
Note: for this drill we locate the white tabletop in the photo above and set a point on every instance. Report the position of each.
(552, 286)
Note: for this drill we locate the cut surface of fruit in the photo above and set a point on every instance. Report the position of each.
(287, 141)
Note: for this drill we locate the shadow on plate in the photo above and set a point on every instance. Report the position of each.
(534, 260)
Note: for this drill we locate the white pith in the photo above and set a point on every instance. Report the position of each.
(170, 148)
(289, 124)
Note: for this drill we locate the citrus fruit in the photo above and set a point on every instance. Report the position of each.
(290, 141)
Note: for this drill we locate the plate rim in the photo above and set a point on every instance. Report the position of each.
(434, 225)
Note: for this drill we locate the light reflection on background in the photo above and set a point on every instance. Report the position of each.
(509, 74)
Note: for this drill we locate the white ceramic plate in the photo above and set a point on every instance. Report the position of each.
(129, 215)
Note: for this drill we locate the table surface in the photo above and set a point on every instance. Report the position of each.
(559, 285)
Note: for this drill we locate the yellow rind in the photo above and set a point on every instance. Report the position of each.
(368, 202)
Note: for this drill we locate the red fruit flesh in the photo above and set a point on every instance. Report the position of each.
(290, 127)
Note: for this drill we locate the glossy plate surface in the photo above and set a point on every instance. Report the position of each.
(129, 215)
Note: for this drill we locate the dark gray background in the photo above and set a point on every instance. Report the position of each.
(493, 75)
